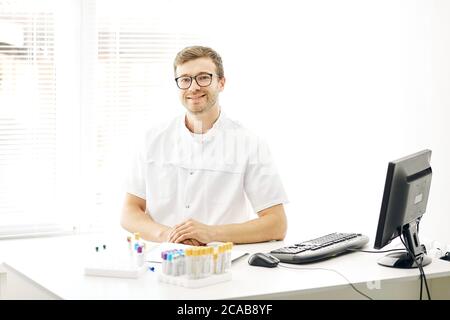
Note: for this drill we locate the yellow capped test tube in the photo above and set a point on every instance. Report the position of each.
(188, 254)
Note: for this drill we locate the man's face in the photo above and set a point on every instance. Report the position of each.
(199, 100)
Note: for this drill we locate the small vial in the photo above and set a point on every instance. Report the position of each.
(178, 264)
(169, 264)
(219, 259)
(195, 263)
(130, 245)
(174, 264)
(188, 254)
(140, 257)
(229, 250)
(164, 262)
(201, 263)
(136, 240)
(208, 259)
(182, 262)
(215, 262)
(203, 256)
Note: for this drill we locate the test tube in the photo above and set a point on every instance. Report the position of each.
(229, 250)
(136, 242)
(140, 257)
(216, 262)
(208, 258)
(130, 245)
(175, 264)
(182, 262)
(179, 263)
(164, 262)
(211, 260)
(188, 254)
(202, 262)
(169, 264)
(220, 259)
(196, 263)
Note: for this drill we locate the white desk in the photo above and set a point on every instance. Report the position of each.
(53, 268)
(2, 281)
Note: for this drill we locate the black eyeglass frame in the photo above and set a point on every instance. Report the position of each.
(195, 78)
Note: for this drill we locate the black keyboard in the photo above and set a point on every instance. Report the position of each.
(320, 248)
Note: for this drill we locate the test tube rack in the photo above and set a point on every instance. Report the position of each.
(184, 281)
(196, 267)
(119, 260)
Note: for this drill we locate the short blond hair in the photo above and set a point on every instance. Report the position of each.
(195, 52)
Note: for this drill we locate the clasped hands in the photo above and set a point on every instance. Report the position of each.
(191, 232)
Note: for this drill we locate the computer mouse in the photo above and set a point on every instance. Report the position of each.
(446, 256)
(263, 260)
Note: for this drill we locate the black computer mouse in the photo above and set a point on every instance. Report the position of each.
(263, 260)
(446, 256)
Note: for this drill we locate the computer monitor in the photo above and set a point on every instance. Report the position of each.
(404, 202)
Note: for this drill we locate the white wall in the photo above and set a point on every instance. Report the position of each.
(340, 88)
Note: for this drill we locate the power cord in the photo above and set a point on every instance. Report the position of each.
(348, 281)
(369, 251)
(423, 278)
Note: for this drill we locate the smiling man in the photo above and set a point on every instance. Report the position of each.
(198, 178)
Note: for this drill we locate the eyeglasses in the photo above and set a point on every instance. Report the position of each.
(202, 79)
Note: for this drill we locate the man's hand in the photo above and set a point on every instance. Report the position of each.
(193, 230)
(190, 242)
(193, 242)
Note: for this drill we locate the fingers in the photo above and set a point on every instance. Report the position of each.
(176, 228)
(183, 237)
(197, 243)
(184, 232)
(187, 232)
(189, 242)
(192, 242)
(179, 231)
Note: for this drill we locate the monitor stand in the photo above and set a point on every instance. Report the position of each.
(403, 260)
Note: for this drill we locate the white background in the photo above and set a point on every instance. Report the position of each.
(339, 89)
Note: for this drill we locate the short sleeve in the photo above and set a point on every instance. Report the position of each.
(135, 179)
(262, 182)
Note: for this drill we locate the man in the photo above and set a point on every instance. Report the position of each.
(195, 177)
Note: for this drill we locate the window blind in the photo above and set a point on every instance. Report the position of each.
(133, 87)
(124, 77)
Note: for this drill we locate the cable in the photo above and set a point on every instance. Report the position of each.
(368, 251)
(421, 286)
(422, 273)
(348, 281)
(423, 276)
